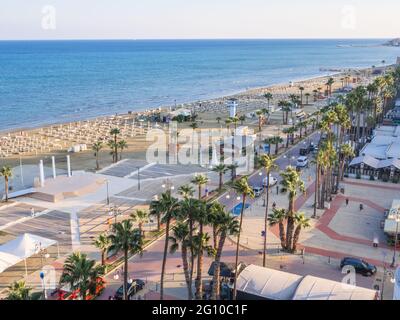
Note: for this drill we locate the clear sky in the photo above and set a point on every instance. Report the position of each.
(192, 19)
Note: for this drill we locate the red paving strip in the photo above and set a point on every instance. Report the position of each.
(327, 217)
(371, 186)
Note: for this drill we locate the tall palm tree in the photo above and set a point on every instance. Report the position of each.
(6, 173)
(307, 95)
(235, 121)
(96, 147)
(301, 95)
(276, 140)
(242, 119)
(291, 181)
(170, 207)
(329, 84)
(115, 132)
(225, 224)
(200, 181)
(126, 238)
(218, 119)
(346, 152)
(188, 211)
(278, 217)
(200, 242)
(122, 145)
(186, 191)
(194, 125)
(141, 217)
(180, 237)
(268, 163)
(81, 274)
(221, 169)
(283, 104)
(301, 223)
(157, 210)
(242, 188)
(269, 97)
(18, 290)
(260, 116)
(102, 243)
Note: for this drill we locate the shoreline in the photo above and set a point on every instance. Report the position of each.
(239, 93)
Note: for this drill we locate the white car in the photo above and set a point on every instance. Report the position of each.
(302, 162)
(258, 191)
(272, 181)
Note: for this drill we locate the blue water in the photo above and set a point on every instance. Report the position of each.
(44, 82)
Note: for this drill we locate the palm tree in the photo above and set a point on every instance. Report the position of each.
(291, 181)
(218, 119)
(276, 140)
(232, 168)
(102, 243)
(141, 217)
(242, 119)
(194, 125)
(315, 95)
(121, 146)
(111, 144)
(6, 173)
(329, 84)
(200, 242)
(225, 224)
(115, 132)
(157, 210)
(19, 291)
(180, 236)
(346, 152)
(186, 191)
(269, 97)
(301, 95)
(170, 207)
(228, 123)
(221, 169)
(268, 163)
(96, 147)
(235, 121)
(200, 181)
(242, 188)
(127, 239)
(302, 223)
(81, 274)
(278, 217)
(260, 116)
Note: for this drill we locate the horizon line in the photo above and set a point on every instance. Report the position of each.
(192, 39)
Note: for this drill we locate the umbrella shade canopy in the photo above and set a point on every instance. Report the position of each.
(21, 248)
(227, 270)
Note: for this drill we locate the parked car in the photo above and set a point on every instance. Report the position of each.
(258, 191)
(133, 288)
(302, 162)
(272, 181)
(361, 266)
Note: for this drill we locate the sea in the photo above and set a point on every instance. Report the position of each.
(46, 82)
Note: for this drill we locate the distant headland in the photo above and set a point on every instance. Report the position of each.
(393, 43)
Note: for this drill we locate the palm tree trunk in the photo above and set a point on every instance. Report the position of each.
(220, 181)
(316, 190)
(276, 149)
(125, 274)
(215, 288)
(199, 192)
(296, 238)
(164, 260)
(6, 187)
(282, 235)
(266, 224)
(97, 162)
(290, 225)
(237, 247)
(199, 284)
(191, 254)
(186, 271)
(103, 259)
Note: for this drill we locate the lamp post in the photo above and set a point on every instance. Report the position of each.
(168, 186)
(138, 176)
(115, 212)
(397, 219)
(44, 296)
(42, 252)
(108, 194)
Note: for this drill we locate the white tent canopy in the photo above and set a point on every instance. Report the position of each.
(277, 285)
(21, 248)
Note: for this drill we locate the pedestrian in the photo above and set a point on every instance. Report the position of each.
(347, 201)
(274, 205)
(361, 207)
(32, 212)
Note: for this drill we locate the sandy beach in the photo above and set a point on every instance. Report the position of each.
(29, 146)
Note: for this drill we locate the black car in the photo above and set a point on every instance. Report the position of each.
(132, 288)
(361, 266)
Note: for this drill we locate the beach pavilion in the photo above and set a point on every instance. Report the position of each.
(366, 167)
(22, 248)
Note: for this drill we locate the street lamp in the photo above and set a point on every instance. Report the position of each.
(108, 194)
(397, 219)
(42, 252)
(115, 212)
(44, 296)
(138, 177)
(168, 185)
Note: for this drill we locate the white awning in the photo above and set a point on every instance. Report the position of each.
(21, 248)
(312, 288)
